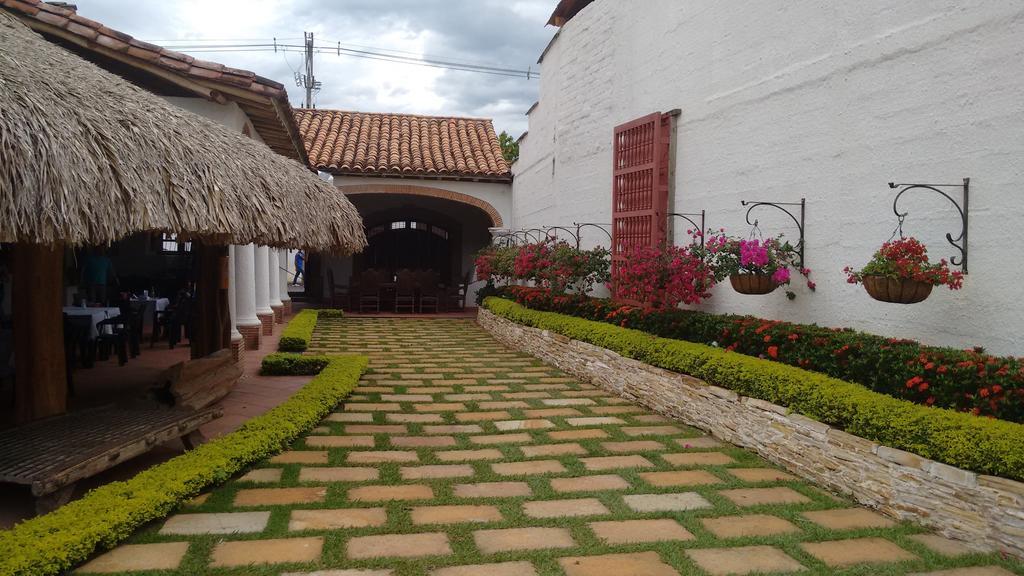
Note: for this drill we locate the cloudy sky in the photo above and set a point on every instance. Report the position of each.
(502, 33)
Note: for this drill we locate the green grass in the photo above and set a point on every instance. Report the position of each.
(455, 344)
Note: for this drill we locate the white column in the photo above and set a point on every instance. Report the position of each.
(245, 286)
(262, 281)
(274, 276)
(232, 295)
(282, 264)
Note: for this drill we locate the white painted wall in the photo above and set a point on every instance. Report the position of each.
(784, 99)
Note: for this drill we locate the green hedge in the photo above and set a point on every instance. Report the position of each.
(291, 364)
(299, 331)
(983, 445)
(105, 516)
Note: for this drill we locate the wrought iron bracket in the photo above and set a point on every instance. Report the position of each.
(689, 217)
(552, 232)
(960, 242)
(799, 246)
(581, 225)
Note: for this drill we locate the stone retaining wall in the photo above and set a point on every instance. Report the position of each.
(986, 512)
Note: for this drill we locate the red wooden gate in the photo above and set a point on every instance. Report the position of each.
(640, 184)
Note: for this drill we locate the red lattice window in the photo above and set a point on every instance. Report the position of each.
(640, 184)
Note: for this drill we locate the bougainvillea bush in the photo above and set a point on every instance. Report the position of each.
(772, 257)
(663, 276)
(965, 380)
(551, 264)
(907, 259)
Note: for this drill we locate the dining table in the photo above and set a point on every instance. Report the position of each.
(97, 314)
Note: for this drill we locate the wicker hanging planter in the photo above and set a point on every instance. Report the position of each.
(897, 291)
(753, 283)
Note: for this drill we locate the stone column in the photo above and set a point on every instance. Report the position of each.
(263, 310)
(282, 263)
(237, 342)
(274, 294)
(248, 323)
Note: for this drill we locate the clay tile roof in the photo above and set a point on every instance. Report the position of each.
(363, 143)
(565, 10)
(269, 111)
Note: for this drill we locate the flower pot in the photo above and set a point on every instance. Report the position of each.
(752, 283)
(897, 291)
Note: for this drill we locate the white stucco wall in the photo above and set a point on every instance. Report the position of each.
(229, 115)
(786, 99)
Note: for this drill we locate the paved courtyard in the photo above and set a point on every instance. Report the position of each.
(459, 457)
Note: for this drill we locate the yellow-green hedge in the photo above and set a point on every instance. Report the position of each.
(983, 445)
(59, 540)
(296, 335)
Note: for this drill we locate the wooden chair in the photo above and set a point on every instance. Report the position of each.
(429, 291)
(455, 296)
(78, 347)
(113, 336)
(369, 291)
(338, 293)
(405, 292)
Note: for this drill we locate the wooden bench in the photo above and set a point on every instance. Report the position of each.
(52, 454)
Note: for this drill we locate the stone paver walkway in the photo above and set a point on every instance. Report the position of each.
(458, 457)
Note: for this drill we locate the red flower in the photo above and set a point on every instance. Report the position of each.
(773, 351)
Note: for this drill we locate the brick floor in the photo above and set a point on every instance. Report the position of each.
(458, 457)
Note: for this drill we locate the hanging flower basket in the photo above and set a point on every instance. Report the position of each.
(896, 290)
(753, 283)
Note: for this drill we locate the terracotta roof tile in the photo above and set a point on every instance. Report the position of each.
(401, 144)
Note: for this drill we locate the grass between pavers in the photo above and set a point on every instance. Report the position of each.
(297, 334)
(545, 561)
(107, 515)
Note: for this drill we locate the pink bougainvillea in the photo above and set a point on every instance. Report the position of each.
(663, 276)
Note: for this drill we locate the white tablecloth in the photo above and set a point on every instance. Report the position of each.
(96, 314)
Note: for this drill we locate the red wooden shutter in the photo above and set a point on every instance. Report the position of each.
(640, 184)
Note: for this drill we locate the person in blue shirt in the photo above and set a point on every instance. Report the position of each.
(97, 271)
(300, 263)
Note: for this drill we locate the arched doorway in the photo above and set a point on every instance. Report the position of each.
(411, 238)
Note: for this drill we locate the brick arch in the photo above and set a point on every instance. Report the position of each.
(410, 190)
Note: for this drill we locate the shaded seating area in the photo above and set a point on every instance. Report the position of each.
(403, 291)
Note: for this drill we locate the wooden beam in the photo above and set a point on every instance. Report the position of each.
(211, 325)
(41, 380)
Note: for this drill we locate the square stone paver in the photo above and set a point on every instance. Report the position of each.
(759, 496)
(278, 496)
(639, 564)
(339, 441)
(216, 523)
(698, 459)
(375, 429)
(665, 502)
(469, 455)
(349, 417)
(837, 553)
(528, 468)
(440, 407)
(942, 546)
(457, 514)
(589, 483)
(133, 557)
(262, 476)
(577, 434)
(381, 456)
(680, 478)
(511, 539)
(492, 490)
(564, 508)
(594, 421)
(848, 519)
(301, 457)
(640, 531)
(483, 416)
(336, 519)
(422, 441)
(743, 560)
(569, 448)
(398, 546)
(551, 412)
(338, 474)
(275, 551)
(748, 525)
(452, 429)
(510, 425)
(612, 462)
(436, 471)
(403, 418)
(976, 571)
(699, 442)
(633, 446)
(492, 439)
(761, 474)
(500, 569)
(651, 430)
(385, 493)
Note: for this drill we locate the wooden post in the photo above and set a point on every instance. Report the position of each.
(41, 388)
(211, 323)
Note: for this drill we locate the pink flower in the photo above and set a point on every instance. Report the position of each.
(781, 276)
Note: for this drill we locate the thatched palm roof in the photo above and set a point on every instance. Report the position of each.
(88, 158)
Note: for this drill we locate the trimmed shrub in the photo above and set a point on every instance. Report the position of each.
(963, 380)
(55, 542)
(331, 313)
(983, 445)
(299, 331)
(290, 364)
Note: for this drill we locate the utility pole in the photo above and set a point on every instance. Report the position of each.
(308, 80)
